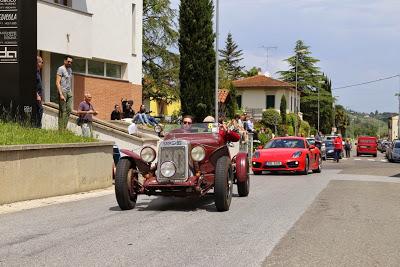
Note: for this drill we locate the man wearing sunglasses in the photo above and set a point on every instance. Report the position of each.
(64, 87)
(187, 122)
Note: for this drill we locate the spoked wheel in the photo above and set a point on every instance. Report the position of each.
(223, 184)
(126, 178)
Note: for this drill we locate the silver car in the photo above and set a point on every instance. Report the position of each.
(393, 151)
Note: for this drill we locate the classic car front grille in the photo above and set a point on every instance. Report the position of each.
(176, 152)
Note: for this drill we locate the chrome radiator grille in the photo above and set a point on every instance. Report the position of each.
(175, 151)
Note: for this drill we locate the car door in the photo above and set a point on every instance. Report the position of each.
(311, 153)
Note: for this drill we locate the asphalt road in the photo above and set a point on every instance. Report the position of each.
(172, 232)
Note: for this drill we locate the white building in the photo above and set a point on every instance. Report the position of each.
(393, 125)
(258, 93)
(105, 39)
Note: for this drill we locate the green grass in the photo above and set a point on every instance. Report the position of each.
(15, 134)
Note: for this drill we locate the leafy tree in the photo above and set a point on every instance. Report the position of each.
(160, 65)
(341, 119)
(197, 62)
(252, 72)
(231, 57)
(283, 109)
(271, 118)
(310, 81)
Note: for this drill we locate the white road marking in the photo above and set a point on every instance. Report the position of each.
(358, 159)
(371, 160)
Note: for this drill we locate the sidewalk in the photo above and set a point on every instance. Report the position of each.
(351, 223)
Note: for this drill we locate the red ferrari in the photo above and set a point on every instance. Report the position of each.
(292, 154)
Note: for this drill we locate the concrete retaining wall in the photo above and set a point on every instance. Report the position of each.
(39, 171)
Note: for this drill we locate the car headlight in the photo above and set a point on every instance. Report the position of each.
(296, 155)
(198, 153)
(148, 154)
(168, 169)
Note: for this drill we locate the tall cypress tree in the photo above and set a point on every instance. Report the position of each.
(283, 108)
(197, 62)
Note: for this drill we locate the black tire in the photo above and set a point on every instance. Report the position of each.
(306, 167)
(319, 166)
(375, 155)
(257, 172)
(358, 154)
(324, 158)
(124, 191)
(223, 184)
(244, 188)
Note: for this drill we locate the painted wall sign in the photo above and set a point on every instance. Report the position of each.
(18, 41)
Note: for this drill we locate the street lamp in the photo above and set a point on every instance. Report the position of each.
(296, 104)
(216, 58)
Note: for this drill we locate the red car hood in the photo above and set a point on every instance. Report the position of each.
(278, 153)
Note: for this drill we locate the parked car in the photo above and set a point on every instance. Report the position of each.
(367, 145)
(330, 150)
(191, 162)
(393, 151)
(292, 154)
(382, 145)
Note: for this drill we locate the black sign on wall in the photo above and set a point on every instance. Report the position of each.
(18, 49)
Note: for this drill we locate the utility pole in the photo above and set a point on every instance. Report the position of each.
(398, 121)
(216, 59)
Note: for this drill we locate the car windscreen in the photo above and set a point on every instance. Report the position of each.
(328, 143)
(285, 143)
(195, 128)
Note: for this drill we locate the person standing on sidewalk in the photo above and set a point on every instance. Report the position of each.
(39, 94)
(64, 87)
(86, 112)
(338, 145)
(347, 147)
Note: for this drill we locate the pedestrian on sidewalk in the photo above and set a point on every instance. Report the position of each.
(86, 112)
(347, 147)
(64, 87)
(39, 94)
(338, 147)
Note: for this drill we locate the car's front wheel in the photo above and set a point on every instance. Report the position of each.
(223, 187)
(318, 170)
(306, 166)
(125, 180)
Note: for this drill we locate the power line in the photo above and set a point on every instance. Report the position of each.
(374, 81)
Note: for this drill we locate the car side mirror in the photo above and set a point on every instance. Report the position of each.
(260, 147)
(312, 147)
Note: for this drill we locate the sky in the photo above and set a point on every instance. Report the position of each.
(355, 40)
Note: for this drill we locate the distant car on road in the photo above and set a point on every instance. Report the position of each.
(330, 150)
(292, 154)
(367, 145)
(393, 151)
(382, 145)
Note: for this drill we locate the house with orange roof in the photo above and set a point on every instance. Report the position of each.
(258, 93)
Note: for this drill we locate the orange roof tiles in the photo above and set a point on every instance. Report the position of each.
(260, 81)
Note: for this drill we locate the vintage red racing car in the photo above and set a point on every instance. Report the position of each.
(292, 154)
(189, 163)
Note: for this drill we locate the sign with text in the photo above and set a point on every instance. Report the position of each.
(18, 38)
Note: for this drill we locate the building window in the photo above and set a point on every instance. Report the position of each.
(79, 65)
(133, 29)
(96, 67)
(239, 101)
(270, 101)
(67, 3)
(113, 70)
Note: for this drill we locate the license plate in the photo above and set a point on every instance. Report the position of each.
(274, 163)
(364, 146)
